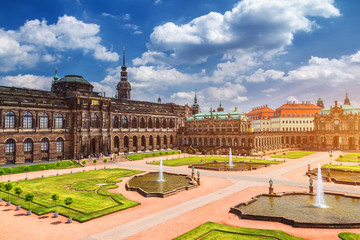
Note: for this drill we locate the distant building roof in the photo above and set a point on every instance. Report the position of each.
(73, 79)
(217, 115)
(297, 108)
(347, 109)
(261, 112)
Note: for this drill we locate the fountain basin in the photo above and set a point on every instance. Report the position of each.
(238, 166)
(149, 186)
(340, 176)
(297, 209)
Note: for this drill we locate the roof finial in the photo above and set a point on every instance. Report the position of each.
(56, 77)
(123, 55)
(195, 98)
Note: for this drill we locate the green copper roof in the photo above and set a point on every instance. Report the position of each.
(220, 115)
(347, 109)
(73, 79)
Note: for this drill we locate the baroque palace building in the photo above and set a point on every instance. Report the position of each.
(338, 127)
(72, 121)
(305, 126)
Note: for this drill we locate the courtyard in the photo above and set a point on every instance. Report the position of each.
(173, 216)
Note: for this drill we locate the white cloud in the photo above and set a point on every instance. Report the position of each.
(157, 2)
(227, 91)
(27, 81)
(330, 71)
(261, 25)
(240, 99)
(292, 99)
(270, 90)
(29, 45)
(261, 76)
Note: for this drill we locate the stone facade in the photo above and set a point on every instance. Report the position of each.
(72, 121)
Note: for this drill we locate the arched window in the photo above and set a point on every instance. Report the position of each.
(158, 140)
(229, 128)
(28, 145)
(172, 123)
(171, 139)
(124, 122)
(94, 121)
(134, 123)
(150, 123)
(205, 128)
(116, 143)
(27, 120)
(10, 146)
(115, 122)
(142, 123)
(44, 145)
(60, 145)
(10, 120)
(134, 141)
(164, 123)
(165, 140)
(217, 127)
(143, 141)
(44, 120)
(59, 121)
(151, 141)
(157, 123)
(126, 142)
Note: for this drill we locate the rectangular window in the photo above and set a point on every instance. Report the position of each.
(10, 147)
(59, 146)
(27, 147)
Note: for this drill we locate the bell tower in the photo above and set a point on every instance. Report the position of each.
(123, 87)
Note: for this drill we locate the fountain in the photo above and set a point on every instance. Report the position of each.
(161, 174)
(320, 198)
(160, 184)
(230, 159)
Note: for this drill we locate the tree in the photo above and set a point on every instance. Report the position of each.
(8, 187)
(83, 163)
(43, 168)
(68, 201)
(1, 173)
(58, 166)
(18, 190)
(55, 197)
(105, 161)
(95, 161)
(9, 171)
(1, 186)
(29, 198)
(26, 169)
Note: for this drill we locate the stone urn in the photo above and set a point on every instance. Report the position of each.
(69, 220)
(56, 214)
(18, 207)
(28, 212)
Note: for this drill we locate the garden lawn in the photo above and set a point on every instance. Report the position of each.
(342, 167)
(89, 191)
(147, 155)
(194, 160)
(36, 167)
(349, 236)
(349, 158)
(212, 230)
(294, 154)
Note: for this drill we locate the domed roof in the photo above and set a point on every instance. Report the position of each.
(124, 85)
(73, 79)
(347, 109)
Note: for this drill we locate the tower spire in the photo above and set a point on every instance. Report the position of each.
(124, 56)
(347, 100)
(195, 98)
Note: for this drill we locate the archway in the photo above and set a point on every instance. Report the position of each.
(336, 142)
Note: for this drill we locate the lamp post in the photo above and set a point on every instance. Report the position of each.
(328, 178)
(198, 178)
(271, 189)
(311, 188)
(330, 158)
(308, 171)
(193, 172)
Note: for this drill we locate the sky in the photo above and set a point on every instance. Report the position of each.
(241, 53)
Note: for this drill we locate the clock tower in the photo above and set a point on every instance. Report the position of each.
(123, 87)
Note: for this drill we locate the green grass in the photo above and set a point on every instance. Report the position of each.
(36, 167)
(342, 167)
(193, 160)
(147, 155)
(349, 236)
(91, 198)
(220, 231)
(294, 154)
(349, 158)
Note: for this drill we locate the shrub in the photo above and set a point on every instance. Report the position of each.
(341, 156)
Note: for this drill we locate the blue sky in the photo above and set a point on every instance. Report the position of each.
(242, 53)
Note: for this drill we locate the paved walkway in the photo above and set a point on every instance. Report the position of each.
(181, 212)
(241, 182)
